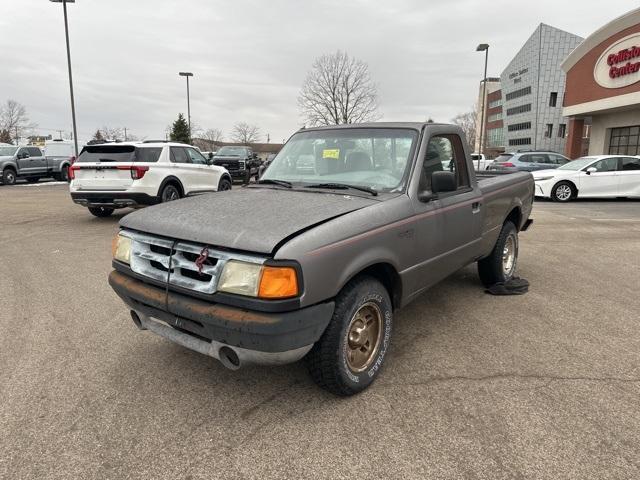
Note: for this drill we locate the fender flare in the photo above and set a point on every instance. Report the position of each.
(11, 165)
(171, 179)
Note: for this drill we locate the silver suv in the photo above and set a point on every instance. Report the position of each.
(528, 161)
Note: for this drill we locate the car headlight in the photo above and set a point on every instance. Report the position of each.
(121, 248)
(542, 179)
(254, 280)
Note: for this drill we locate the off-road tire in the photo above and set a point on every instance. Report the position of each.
(247, 179)
(63, 176)
(8, 177)
(101, 212)
(224, 184)
(560, 191)
(327, 361)
(490, 269)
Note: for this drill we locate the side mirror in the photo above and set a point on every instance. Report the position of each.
(443, 181)
(590, 170)
(210, 155)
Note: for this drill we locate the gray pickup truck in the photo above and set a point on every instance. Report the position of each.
(314, 262)
(30, 163)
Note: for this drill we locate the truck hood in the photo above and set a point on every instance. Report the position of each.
(250, 219)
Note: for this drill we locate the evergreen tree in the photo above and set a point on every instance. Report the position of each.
(98, 135)
(180, 130)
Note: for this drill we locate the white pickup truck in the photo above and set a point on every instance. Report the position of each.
(480, 162)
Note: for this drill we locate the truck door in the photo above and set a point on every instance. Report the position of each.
(38, 161)
(23, 160)
(449, 225)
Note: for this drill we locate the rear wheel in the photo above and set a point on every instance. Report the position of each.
(63, 176)
(225, 184)
(350, 353)
(247, 178)
(563, 192)
(101, 212)
(8, 176)
(500, 266)
(169, 193)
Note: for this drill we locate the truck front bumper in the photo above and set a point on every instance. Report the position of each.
(221, 331)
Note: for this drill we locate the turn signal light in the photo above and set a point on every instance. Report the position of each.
(278, 282)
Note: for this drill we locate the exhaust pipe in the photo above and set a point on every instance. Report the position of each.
(229, 358)
(136, 320)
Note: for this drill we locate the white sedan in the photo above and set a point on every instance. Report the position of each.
(602, 176)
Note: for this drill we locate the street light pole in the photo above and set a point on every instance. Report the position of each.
(73, 104)
(483, 47)
(188, 74)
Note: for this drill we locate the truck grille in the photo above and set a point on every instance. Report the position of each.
(174, 261)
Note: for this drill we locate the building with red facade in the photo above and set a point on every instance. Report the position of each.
(603, 90)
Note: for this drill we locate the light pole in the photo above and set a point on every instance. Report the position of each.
(73, 104)
(188, 74)
(480, 48)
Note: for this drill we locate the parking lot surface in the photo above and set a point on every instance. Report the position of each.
(540, 386)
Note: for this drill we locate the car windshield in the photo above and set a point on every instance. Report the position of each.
(374, 158)
(7, 151)
(577, 164)
(230, 152)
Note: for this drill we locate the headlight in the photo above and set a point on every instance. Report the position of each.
(255, 280)
(121, 248)
(542, 179)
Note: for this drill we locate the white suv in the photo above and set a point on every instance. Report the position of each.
(117, 175)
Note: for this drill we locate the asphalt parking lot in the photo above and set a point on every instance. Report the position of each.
(540, 386)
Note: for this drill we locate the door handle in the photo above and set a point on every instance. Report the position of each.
(475, 207)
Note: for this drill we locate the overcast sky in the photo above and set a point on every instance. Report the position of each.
(250, 58)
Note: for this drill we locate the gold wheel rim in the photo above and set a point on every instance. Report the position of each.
(363, 337)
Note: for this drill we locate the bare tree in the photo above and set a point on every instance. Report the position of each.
(468, 122)
(244, 133)
(205, 140)
(338, 89)
(113, 134)
(14, 119)
(212, 134)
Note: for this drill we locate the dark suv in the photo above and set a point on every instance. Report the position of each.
(527, 161)
(241, 162)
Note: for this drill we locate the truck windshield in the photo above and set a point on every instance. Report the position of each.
(374, 158)
(230, 152)
(7, 151)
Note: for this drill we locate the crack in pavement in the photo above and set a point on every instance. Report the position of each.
(504, 376)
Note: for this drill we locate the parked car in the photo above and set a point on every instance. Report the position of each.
(265, 164)
(22, 162)
(60, 155)
(241, 162)
(599, 176)
(315, 264)
(527, 161)
(480, 161)
(117, 175)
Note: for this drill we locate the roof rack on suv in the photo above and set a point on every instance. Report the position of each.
(541, 150)
(162, 141)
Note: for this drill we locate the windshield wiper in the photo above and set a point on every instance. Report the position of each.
(282, 183)
(342, 186)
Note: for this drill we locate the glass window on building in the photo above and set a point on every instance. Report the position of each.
(494, 116)
(562, 130)
(553, 99)
(624, 141)
(548, 132)
(495, 137)
(495, 103)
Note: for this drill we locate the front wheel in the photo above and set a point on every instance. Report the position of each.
(350, 353)
(225, 184)
(500, 266)
(101, 212)
(562, 192)
(8, 177)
